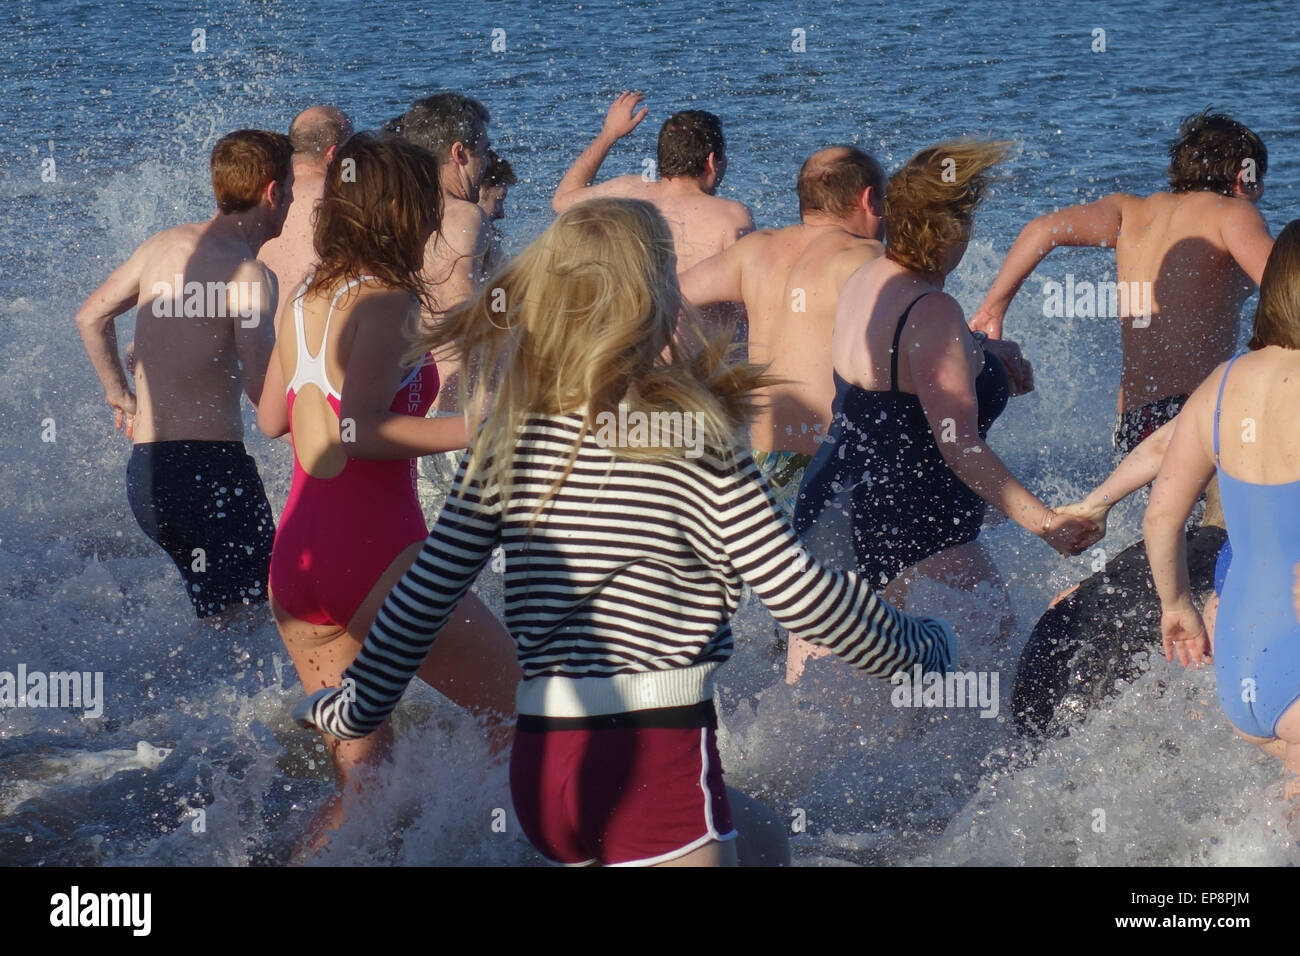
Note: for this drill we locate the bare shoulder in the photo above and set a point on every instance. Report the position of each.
(935, 317)
(735, 213)
(465, 227)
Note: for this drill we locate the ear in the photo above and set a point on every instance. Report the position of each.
(329, 154)
(271, 194)
(870, 201)
(459, 154)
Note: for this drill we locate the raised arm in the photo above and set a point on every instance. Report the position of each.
(1092, 224)
(407, 625)
(620, 119)
(378, 324)
(836, 609)
(95, 321)
(1187, 468)
(942, 359)
(1246, 235)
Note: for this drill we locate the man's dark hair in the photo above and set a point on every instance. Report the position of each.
(499, 172)
(440, 121)
(318, 128)
(833, 184)
(685, 141)
(242, 164)
(1211, 149)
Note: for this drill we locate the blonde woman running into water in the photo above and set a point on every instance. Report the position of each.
(1241, 425)
(336, 382)
(626, 550)
(905, 466)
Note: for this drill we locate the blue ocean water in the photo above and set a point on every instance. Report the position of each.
(118, 96)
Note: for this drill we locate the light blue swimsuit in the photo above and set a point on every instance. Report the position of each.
(1257, 637)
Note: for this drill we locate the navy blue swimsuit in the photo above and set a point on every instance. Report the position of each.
(881, 461)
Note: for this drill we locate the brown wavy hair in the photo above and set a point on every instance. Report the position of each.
(1277, 317)
(381, 203)
(930, 202)
(1211, 149)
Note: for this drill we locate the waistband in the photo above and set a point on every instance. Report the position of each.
(580, 697)
(693, 717)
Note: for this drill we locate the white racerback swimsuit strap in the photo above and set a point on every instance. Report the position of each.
(310, 369)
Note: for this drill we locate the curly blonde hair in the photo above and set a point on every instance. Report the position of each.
(930, 202)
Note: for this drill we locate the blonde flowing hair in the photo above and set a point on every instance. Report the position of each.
(586, 318)
(931, 201)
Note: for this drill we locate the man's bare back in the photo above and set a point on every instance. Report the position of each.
(790, 281)
(192, 335)
(1193, 254)
(316, 134)
(292, 254)
(1183, 245)
(702, 225)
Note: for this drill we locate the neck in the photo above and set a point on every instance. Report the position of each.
(930, 278)
(248, 225)
(821, 220)
(452, 185)
(683, 184)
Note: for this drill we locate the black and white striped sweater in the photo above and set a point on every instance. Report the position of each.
(619, 598)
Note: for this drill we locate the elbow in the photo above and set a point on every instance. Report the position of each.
(558, 203)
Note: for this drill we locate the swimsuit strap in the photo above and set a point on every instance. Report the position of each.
(898, 337)
(1218, 406)
(311, 368)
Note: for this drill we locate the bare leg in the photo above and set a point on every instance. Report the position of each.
(478, 670)
(712, 853)
(473, 662)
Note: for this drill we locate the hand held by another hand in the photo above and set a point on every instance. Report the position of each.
(1070, 535)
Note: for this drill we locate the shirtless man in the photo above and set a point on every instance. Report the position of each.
(492, 191)
(1200, 248)
(453, 127)
(692, 160)
(316, 134)
(789, 280)
(204, 315)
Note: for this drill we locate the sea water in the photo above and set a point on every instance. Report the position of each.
(108, 115)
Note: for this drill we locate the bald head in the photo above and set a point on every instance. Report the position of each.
(832, 180)
(317, 130)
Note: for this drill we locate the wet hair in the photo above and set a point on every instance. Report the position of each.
(381, 203)
(686, 140)
(833, 185)
(440, 121)
(242, 164)
(582, 318)
(1277, 316)
(930, 202)
(499, 172)
(1211, 149)
(317, 128)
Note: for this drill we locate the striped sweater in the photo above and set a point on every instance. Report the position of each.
(619, 597)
